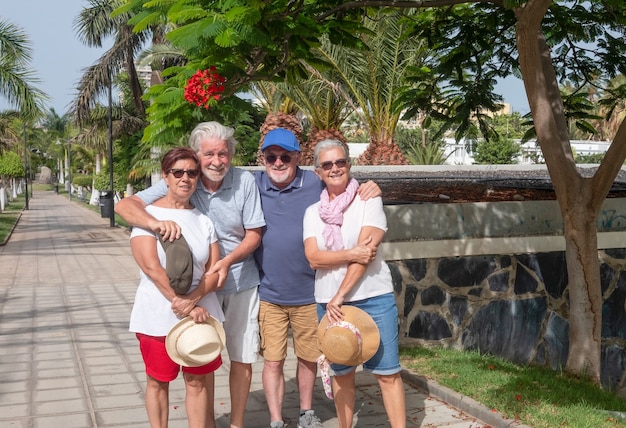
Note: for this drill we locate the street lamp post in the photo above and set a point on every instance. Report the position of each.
(111, 181)
(25, 168)
(69, 170)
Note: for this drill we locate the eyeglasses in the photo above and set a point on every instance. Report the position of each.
(328, 165)
(273, 158)
(191, 173)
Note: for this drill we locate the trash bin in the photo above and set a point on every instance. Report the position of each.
(106, 204)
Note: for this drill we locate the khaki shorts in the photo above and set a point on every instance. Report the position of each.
(274, 323)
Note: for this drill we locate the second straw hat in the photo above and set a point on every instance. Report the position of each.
(351, 342)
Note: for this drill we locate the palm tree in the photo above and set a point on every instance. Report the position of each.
(57, 129)
(93, 25)
(282, 112)
(614, 105)
(9, 135)
(17, 82)
(322, 106)
(370, 79)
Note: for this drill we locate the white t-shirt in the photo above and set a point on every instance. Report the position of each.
(152, 313)
(376, 279)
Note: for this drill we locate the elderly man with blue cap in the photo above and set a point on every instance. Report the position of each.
(287, 281)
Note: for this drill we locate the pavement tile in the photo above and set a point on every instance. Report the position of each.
(67, 283)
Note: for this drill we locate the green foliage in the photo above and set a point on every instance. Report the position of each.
(11, 165)
(496, 151)
(420, 152)
(82, 180)
(102, 181)
(595, 158)
(509, 125)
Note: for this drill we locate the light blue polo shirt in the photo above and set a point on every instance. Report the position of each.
(233, 208)
(286, 277)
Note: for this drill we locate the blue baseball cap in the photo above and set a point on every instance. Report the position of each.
(283, 138)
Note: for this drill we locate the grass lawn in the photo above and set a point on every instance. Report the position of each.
(534, 396)
(10, 215)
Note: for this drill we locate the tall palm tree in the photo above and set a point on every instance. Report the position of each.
(57, 129)
(370, 79)
(17, 81)
(9, 135)
(93, 25)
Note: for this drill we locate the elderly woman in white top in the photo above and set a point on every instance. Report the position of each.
(158, 308)
(341, 235)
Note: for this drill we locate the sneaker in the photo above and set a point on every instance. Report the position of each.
(277, 424)
(309, 420)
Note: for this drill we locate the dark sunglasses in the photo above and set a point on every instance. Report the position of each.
(328, 165)
(272, 158)
(191, 173)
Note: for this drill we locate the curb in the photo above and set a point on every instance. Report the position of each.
(461, 402)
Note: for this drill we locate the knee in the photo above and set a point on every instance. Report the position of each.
(274, 366)
(388, 380)
(196, 383)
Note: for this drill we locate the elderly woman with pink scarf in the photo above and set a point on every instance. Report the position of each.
(341, 236)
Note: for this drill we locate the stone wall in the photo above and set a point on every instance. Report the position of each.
(508, 302)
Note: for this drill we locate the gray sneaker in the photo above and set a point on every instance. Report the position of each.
(309, 420)
(277, 424)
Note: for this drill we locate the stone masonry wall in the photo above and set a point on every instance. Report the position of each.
(513, 306)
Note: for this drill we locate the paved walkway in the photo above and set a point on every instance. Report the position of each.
(67, 283)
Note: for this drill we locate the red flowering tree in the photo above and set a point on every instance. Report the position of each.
(205, 87)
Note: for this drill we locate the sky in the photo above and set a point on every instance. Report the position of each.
(59, 57)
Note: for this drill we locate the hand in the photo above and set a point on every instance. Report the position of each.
(369, 190)
(333, 309)
(222, 268)
(168, 228)
(199, 314)
(182, 306)
(363, 253)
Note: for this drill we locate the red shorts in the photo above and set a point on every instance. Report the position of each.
(160, 366)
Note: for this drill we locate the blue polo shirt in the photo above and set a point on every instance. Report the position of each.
(286, 277)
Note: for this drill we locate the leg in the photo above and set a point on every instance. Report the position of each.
(241, 311)
(274, 387)
(344, 391)
(392, 389)
(157, 402)
(239, 379)
(199, 397)
(305, 375)
(274, 329)
(304, 329)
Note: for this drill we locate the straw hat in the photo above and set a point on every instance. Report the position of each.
(178, 263)
(192, 344)
(350, 342)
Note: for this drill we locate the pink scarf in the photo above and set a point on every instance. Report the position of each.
(331, 213)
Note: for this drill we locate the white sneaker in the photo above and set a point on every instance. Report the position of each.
(309, 420)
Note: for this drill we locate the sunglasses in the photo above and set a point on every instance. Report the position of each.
(328, 165)
(191, 173)
(273, 158)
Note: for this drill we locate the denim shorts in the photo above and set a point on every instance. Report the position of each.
(384, 312)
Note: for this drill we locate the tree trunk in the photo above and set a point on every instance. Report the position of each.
(580, 199)
(585, 295)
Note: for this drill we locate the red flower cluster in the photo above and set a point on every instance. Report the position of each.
(204, 86)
